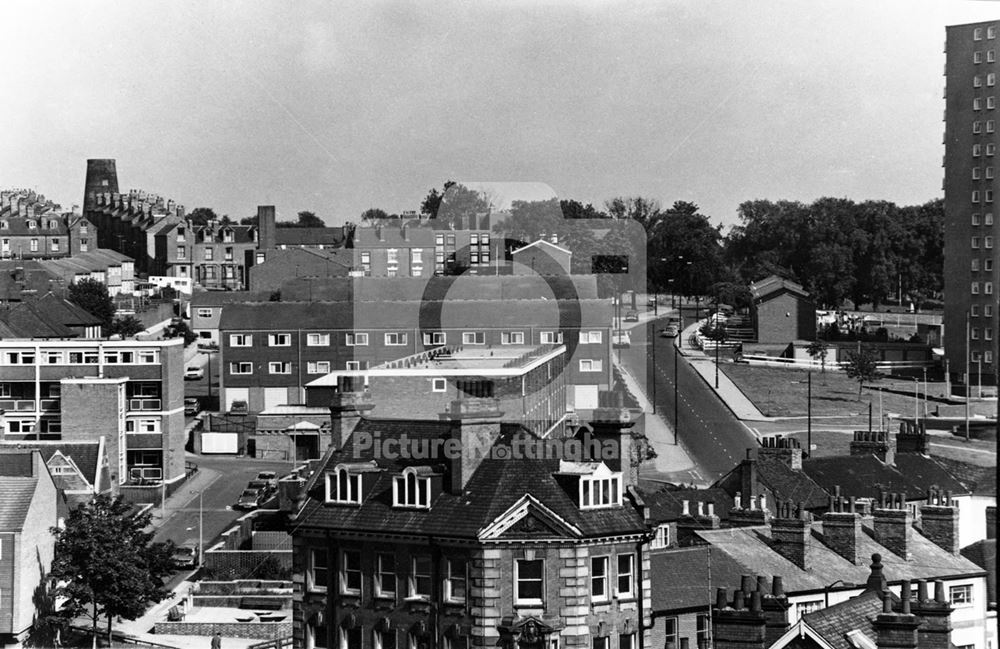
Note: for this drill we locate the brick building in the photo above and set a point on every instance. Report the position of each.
(971, 261)
(28, 512)
(309, 264)
(467, 549)
(32, 227)
(781, 311)
(271, 350)
(129, 392)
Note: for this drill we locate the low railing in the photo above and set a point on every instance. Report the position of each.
(144, 404)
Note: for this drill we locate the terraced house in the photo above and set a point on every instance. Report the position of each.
(465, 549)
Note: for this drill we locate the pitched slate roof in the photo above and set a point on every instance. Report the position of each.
(495, 487)
(681, 577)
(833, 623)
(977, 480)
(457, 288)
(781, 479)
(86, 455)
(15, 500)
(864, 476)
(750, 547)
(309, 236)
(16, 465)
(769, 286)
(667, 505)
(984, 554)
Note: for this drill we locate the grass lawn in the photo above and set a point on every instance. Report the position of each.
(782, 392)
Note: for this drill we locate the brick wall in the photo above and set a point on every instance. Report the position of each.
(785, 318)
(252, 630)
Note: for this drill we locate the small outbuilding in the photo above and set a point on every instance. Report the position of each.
(782, 311)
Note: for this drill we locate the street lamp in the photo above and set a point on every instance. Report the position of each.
(677, 422)
(201, 528)
(209, 352)
(826, 590)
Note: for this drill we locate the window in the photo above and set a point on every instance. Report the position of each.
(975, 288)
(351, 638)
(702, 630)
(989, 173)
(411, 490)
(977, 81)
(988, 242)
(975, 242)
(317, 340)
(279, 367)
(974, 310)
(977, 57)
(977, 127)
(228, 254)
(227, 236)
(975, 196)
(318, 367)
(991, 102)
(318, 566)
(279, 340)
(977, 34)
(601, 642)
(52, 358)
(420, 578)
(591, 365)
(988, 311)
(960, 595)
(587, 337)
(599, 578)
(142, 425)
(54, 244)
(987, 357)
(512, 338)
(473, 338)
(435, 338)
(529, 575)
(987, 264)
(551, 337)
(600, 491)
(32, 225)
(991, 79)
(989, 195)
(977, 104)
(991, 32)
(976, 173)
(439, 385)
(626, 641)
(974, 335)
(450, 239)
(977, 150)
(356, 340)
(990, 126)
(392, 256)
(395, 339)
(34, 245)
(991, 149)
(988, 288)
(975, 264)
(626, 575)
(384, 639)
(809, 606)
(416, 256)
(241, 368)
(205, 313)
(353, 365)
(988, 333)
(209, 254)
(455, 580)
(670, 631)
(240, 340)
(385, 575)
(350, 572)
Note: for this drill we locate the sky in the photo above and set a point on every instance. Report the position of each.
(338, 107)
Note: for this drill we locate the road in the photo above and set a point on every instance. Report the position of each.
(233, 473)
(715, 439)
(199, 388)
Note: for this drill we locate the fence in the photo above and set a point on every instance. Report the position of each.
(153, 494)
(835, 366)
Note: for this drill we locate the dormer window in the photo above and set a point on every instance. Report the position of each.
(597, 485)
(31, 224)
(343, 486)
(412, 489)
(227, 236)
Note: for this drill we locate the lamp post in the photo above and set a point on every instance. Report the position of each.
(201, 527)
(209, 352)
(677, 421)
(826, 590)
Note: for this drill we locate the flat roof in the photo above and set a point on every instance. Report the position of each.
(499, 362)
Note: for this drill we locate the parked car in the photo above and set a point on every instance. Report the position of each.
(270, 477)
(262, 486)
(250, 499)
(208, 346)
(670, 331)
(239, 408)
(631, 316)
(621, 339)
(194, 373)
(185, 555)
(191, 406)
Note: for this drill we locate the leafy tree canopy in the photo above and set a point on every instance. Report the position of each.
(92, 296)
(202, 215)
(125, 326)
(862, 365)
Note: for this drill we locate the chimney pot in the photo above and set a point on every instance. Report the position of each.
(778, 586)
(721, 598)
(886, 603)
(939, 593)
(746, 583)
(761, 584)
(921, 590)
(905, 595)
(755, 602)
(738, 600)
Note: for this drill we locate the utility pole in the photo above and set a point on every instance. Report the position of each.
(677, 422)
(809, 415)
(968, 388)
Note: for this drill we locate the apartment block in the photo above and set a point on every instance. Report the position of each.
(972, 256)
(129, 392)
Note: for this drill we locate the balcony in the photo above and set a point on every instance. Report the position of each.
(144, 404)
(18, 405)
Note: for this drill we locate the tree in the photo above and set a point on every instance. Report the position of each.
(429, 206)
(125, 326)
(373, 214)
(92, 296)
(862, 365)
(459, 202)
(572, 209)
(202, 215)
(107, 564)
(818, 351)
(310, 220)
(249, 220)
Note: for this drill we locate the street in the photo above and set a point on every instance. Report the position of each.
(714, 438)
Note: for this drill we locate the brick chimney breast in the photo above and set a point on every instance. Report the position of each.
(893, 525)
(939, 520)
(842, 528)
(791, 529)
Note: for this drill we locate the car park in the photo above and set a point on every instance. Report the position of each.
(250, 499)
(194, 373)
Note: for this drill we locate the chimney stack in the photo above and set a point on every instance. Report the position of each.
(893, 524)
(740, 626)
(102, 176)
(874, 442)
(912, 437)
(842, 528)
(611, 427)
(689, 522)
(991, 522)
(749, 512)
(475, 424)
(939, 520)
(935, 632)
(783, 449)
(896, 630)
(790, 531)
(266, 227)
(775, 605)
(346, 410)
